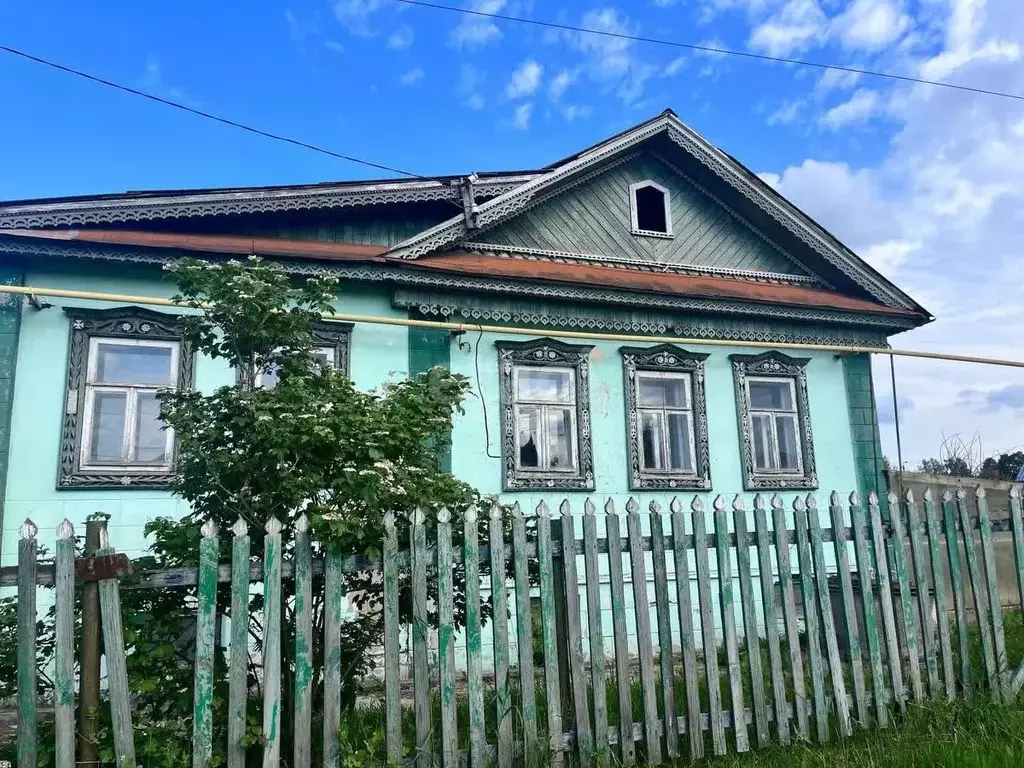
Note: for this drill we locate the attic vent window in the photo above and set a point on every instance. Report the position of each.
(649, 206)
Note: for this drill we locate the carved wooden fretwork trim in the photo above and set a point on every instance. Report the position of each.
(542, 353)
(666, 357)
(773, 364)
(125, 323)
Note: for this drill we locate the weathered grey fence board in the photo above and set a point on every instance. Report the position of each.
(474, 641)
(941, 597)
(957, 587)
(796, 663)
(728, 607)
(420, 672)
(842, 553)
(750, 635)
(64, 656)
(547, 608)
(272, 644)
(28, 548)
(392, 702)
(924, 598)
(597, 654)
(864, 569)
(988, 561)
(524, 630)
(117, 674)
(668, 677)
(499, 634)
(446, 641)
(978, 591)
(910, 612)
(885, 601)
(302, 737)
(577, 673)
(686, 639)
(642, 612)
(707, 626)
(202, 711)
(771, 621)
(238, 693)
(811, 614)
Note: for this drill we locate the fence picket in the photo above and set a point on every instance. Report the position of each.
(885, 601)
(302, 746)
(474, 641)
(272, 644)
(750, 635)
(995, 605)
(707, 626)
(524, 630)
(574, 638)
(64, 657)
(642, 609)
(807, 583)
(117, 674)
(627, 749)
(957, 585)
(828, 627)
(238, 693)
(392, 702)
(202, 712)
(796, 662)
(924, 600)
(728, 607)
(842, 552)
(771, 620)
(446, 641)
(420, 672)
(899, 555)
(941, 599)
(499, 629)
(1017, 527)
(596, 634)
(547, 608)
(28, 547)
(691, 682)
(860, 547)
(977, 590)
(668, 677)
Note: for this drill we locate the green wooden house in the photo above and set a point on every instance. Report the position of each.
(651, 233)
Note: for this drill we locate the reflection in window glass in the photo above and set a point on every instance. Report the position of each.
(546, 430)
(544, 384)
(774, 423)
(133, 364)
(666, 423)
(108, 425)
(150, 437)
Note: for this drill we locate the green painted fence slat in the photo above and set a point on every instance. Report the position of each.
(392, 701)
(446, 642)
(924, 600)
(803, 552)
(796, 662)
(302, 738)
(117, 674)
(691, 677)
(668, 677)
(867, 593)
(64, 656)
(28, 547)
(202, 710)
(499, 629)
(574, 638)
(899, 551)
(941, 598)
(885, 601)
(750, 635)
(842, 553)
(524, 634)
(333, 601)
(598, 681)
(238, 683)
(707, 626)
(828, 627)
(771, 619)
(727, 600)
(642, 611)
(474, 640)
(420, 628)
(978, 590)
(956, 580)
(1017, 529)
(547, 610)
(988, 561)
(272, 644)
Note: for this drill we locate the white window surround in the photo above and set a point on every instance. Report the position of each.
(633, 212)
(770, 417)
(662, 453)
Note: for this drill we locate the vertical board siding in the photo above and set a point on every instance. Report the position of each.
(238, 692)
(302, 746)
(272, 644)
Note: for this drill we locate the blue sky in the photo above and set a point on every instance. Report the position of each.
(928, 185)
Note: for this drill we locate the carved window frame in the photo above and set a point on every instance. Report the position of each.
(774, 365)
(337, 336)
(666, 358)
(130, 322)
(545, 353)
(634, 215)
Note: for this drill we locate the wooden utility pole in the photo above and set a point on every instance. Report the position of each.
(89, 675)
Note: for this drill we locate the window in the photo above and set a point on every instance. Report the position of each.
(545, 415)
(776, 447)
(118, 360)
(331, 347)
(666, 421)
(650, 209)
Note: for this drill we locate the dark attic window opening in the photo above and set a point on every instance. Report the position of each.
(650, 208)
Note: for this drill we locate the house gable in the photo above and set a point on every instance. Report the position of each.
(596, 219)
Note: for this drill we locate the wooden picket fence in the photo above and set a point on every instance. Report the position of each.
(560, 713)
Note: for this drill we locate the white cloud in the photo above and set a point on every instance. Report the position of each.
(355, 15)
(476, 31)
(401, 37)
(888, 256)
(871, 25)
(862, 105)
(560, 83)
(796, 26)
(573, 112)
(152, 80)
(412, 77)
(334, 45)
(675, 66)
(521, 116)
(470, 81)
(786, 113)
(836, 79)
(525, 80)
(612, 62)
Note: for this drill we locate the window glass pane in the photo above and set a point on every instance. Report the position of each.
(150, 438)
(679, 442)
(771, 394)
(789, 450)
(528, 425)
(657, 391)
(559, 438)
(761, 435)
(544, 384)
(108, 416)
(325, 355)
(127, 364)
(268, 379)
(652, 440)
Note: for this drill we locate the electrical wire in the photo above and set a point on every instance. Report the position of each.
(480, 394)
(713, 49)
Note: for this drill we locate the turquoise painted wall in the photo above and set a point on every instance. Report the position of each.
(379, 354)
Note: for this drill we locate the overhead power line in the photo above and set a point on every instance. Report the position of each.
(713, 49)
(208, 115)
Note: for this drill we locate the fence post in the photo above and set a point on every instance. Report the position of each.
(627, 749)
(64, 679)
(446, 641)
(771, 621)
(238, 692)
(796, 662)
(524, 629)
(202, 713)
(499, 629)
(117, 674)
(597, 654)
(803, 553)
(547, 609)
(474, 644)
(89, 663)
(392, 704)
(727, 600)
(420, 674)
(27, 551)
(750, 636)
(995, 605)
(691, 677)
(303, 709)
(707, 626)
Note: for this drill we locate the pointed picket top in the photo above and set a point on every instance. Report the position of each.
(209, 529)
(104, 537)
(718, 503)
(418, 516)
(893, 498)
(872, 498)
(28, 529)
(273, 526)
(495, 510)
(759, 502)
(389, 520)
(947, 497)
(675, 505)
(980, 492)
(811, 502)
(927, 494)
(777, 502)
(833, 499)
(302, 524)
(517, 510)
(696, 504)
(961, 493)
(798, 504)
(655, 507)
(588, 507)
(471, 514)
(609, 507)
(65, 530)
(854, 499)
(737, 503)
(1014, 492)
(240, 528)
(908, 495)
(564, 509)
(632, 506)
(444, 516)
